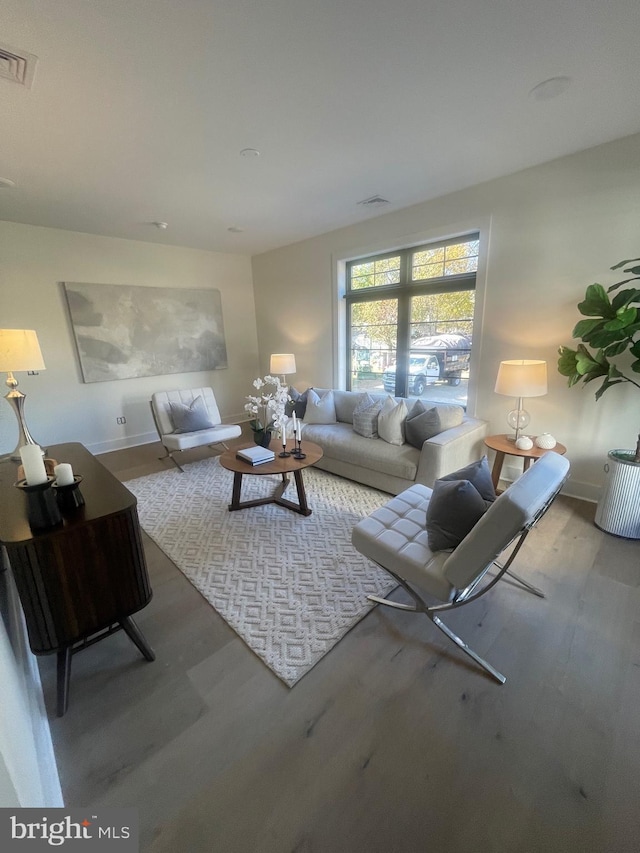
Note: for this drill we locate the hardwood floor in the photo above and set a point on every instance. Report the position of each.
(393, 742)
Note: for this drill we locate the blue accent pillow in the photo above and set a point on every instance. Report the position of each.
(479, 474)
(423, 423)
(297, 404)
(455, 507)
(190, 417)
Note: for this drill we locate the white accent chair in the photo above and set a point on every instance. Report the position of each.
(178, 441)
(395, 537)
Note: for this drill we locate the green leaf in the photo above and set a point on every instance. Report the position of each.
(635, 349)
(584, 327)
(596, 303)
(606, 384)
(587, 366)
(604, 338)
(622, 263)
(567, 362)
(625, 317)
(616, 349)
(626, 297)
(619, 283)
(636, 366)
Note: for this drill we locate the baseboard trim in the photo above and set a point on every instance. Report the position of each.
(573, 488)
(128, 441)
(98, 447)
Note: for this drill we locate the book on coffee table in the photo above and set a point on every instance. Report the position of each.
(256, 455)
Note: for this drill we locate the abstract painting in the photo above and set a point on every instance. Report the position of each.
(126, 331)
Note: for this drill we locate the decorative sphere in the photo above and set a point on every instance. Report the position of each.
(518, 419)
(524, 443)
(545, 441)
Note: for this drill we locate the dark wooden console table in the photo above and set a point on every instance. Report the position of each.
(81, 580)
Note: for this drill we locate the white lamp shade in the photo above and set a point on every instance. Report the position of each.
(282, 363)
(522, 378)
(19, 350)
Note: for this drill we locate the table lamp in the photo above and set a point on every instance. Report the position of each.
(282, 363)
(521, 378)
(19, 350)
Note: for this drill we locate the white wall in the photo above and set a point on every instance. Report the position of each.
(28, 771)
(548, 232)
(59, 406)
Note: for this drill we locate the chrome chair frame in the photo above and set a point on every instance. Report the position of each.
(471, 593)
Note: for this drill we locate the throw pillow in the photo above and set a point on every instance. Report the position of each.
(365, 416)
(423, 423)
(391, 421)
(454, 508)
(190, 417)
(320, 410)
(479, 474)
(297, 404)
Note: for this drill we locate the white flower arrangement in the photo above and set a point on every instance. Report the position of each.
(268, 409)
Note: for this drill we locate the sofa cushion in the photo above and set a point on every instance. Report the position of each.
(455, 507)
(423, 423)
(479, 474)
(365, 417)
(391, 421)
(340, 442)
(189, 417)
(320, 410)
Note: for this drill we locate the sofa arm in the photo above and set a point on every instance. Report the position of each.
(452, 449)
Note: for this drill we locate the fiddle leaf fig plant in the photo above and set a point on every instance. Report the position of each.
(611, 330)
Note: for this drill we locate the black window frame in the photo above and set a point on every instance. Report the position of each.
(403, 291)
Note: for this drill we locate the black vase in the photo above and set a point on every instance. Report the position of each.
(262, 437)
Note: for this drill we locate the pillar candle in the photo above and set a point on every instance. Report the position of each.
(295, 426)
(283, 435)
(33, 464)
(298, 431)
(63, 474)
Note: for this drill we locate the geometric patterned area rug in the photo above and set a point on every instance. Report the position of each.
(290, 586)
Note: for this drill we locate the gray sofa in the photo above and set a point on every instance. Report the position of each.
(391, 468)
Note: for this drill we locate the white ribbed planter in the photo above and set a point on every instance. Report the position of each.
(618, 509)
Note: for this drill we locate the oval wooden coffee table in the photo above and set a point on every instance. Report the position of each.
(288, 465)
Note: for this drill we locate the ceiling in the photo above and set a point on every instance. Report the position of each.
(139, 109)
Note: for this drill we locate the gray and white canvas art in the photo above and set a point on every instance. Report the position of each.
(125, 331)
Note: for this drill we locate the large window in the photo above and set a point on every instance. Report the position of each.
(410, 320)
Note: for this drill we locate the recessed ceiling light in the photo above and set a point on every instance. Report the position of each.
(6, 182)
(550, 88)
(162, 226)
(235, 230)
(249, 152)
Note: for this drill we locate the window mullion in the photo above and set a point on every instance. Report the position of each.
(403, 343)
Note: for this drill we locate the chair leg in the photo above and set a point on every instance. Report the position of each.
(170, 455)
(214, 446)
(528, 586)
(422, 607)
(465, 648)
(398, 606)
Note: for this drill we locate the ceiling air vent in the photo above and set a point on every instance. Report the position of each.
(374, 201)
(16, 65)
